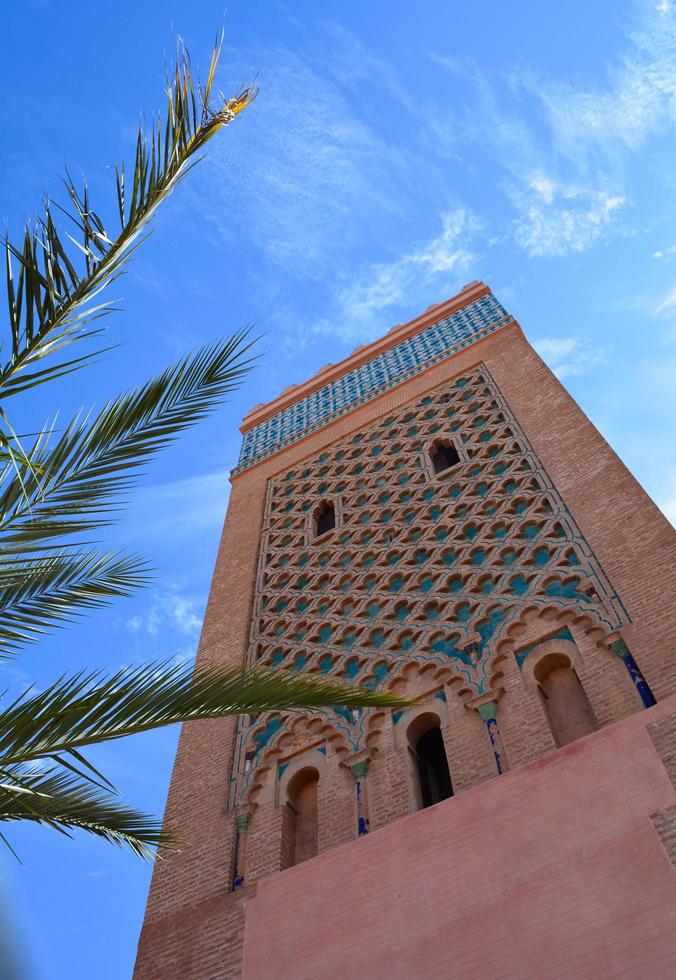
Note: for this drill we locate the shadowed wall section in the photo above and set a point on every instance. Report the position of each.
(553, 871)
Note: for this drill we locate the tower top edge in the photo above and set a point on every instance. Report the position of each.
(469, 293)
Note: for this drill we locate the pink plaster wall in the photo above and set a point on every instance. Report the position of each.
(554, 870)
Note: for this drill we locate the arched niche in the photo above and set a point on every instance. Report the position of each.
(290, 770)
(550, 669)
(300, 820)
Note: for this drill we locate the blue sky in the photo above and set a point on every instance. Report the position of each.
(396, 152)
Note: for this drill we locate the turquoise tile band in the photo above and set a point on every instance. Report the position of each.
(413, 355)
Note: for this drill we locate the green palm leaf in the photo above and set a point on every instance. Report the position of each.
(91, 708)
(68, 481)
(86, 709)
(40, 592)
(65, 802)
(74, 482)
(54, 279)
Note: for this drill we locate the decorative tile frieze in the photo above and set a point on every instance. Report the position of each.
(405, 360)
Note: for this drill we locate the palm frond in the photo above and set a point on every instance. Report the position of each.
(91, 708)
(65, 802)
(70, 483)
(37, 593)
(54, 279)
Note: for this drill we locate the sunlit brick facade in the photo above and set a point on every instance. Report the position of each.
(434, 515)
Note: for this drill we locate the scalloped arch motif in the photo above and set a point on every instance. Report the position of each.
(425, 569)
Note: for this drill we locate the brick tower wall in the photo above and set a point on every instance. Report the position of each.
(453, 586)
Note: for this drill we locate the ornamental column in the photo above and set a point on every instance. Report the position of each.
(358, 765)
(486, 706)
(620, 649)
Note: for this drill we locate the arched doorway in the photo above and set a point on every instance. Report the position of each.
(569, 713)
(431, 772)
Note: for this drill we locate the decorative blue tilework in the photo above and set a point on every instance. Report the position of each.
(410, 357)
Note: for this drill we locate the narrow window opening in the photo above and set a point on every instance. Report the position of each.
(325, 519)
(443, 457)
(433, 772)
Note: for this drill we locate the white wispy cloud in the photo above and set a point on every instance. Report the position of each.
(557, 209)
(555, 219)
(309, 168)
(667, 302)
(438, 264)
(569, 356)
(168, 610)
(635, 100)
(565, 164)
(173, 511)
(665, 311)
(349, 62)
(662, 252)
(592, 132)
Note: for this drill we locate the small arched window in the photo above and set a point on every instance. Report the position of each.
(443, 456)
(431, 772)
(569, 713)
(299, 830)
(324, 518)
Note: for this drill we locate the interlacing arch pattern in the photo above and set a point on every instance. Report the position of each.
(288, 733)
(424, 567)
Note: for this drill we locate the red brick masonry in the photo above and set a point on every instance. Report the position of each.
(552, 871)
